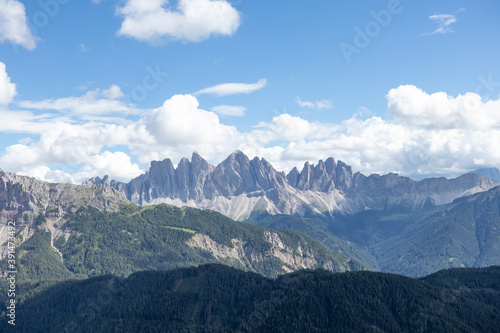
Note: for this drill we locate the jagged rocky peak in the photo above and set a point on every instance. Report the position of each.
(199, 163)
(238, 174)
(293, 177)
(266, 175)
(185, 182)
(232, 176)
(321, 177)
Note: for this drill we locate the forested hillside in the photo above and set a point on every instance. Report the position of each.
(216, 298)
(93, 243)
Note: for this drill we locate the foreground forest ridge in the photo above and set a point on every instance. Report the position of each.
(168, 254)
(216, 298)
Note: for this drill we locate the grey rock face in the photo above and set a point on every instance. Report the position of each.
(24, 198)
(26, 194)
(324, 188)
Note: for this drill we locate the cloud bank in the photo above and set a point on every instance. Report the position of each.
(423, 134)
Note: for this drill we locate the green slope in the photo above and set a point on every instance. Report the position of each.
(465, 233)
(216, 298)
(165, 237)
(321, 229)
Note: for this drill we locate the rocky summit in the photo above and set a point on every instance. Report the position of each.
(22, 199)
(238, 187)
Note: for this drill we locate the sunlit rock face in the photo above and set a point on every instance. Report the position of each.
(238, 186)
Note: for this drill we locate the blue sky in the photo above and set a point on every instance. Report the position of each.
(104, 87)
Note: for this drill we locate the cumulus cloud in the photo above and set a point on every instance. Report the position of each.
(233, 88)
(412, 106)
(189, 20)
(13, 26)
(7, 88)
(46, 174)
(179, 122)
(94, 102)
(318, 105)
(76, 147)
(444, 22)
(290, 128)
(229, 110)
(117, 164)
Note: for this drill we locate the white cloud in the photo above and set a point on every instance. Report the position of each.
(191, 20)
(324, 104)
(46, 174)
(118, 165)
(78, 148)
(13, 26)
(7, 88)
(114, 92)
(287, 127)
(27, 122)
(180, 123)
(444, 22)
(233, 88)
(94, 102)
(229, 110)
(412, 106)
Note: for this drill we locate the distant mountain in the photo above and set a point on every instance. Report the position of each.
(215, 298)
(464, 233)
(238, 187)
(492, 173)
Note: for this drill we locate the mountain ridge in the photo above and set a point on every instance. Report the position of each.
(23, 199)
(492, 173)
(238, 187)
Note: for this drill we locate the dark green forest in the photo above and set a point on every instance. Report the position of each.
(217, 298)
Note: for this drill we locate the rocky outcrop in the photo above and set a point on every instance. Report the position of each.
(238, 186)
(243, 253)
(22, 199)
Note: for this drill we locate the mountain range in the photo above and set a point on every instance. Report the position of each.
(74, 231)
(239, 187)
(324, 216)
